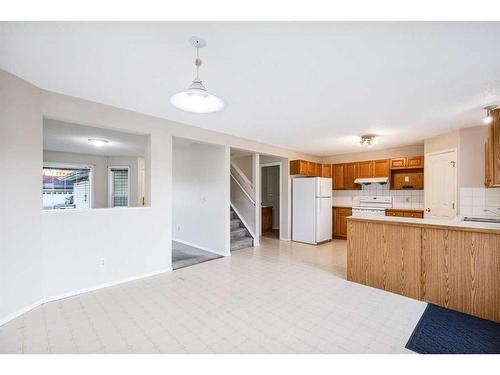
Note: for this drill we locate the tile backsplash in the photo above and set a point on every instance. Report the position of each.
(400, 198)
(479, 202)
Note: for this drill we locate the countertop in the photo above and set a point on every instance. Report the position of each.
(441, 223)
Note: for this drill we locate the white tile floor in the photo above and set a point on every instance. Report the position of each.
(281, 297)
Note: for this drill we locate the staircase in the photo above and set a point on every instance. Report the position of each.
(240, 237)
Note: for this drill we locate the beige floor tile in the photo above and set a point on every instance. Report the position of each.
(281, 297)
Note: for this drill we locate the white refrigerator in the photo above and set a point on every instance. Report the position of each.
(311, 209)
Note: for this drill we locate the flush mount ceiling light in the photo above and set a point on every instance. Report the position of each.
(196, 98)
(368, 140)
(98, 142)
(489, 109)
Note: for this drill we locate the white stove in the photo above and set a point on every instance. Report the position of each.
(372, 205)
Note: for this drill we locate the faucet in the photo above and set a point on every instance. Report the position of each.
(491, 211)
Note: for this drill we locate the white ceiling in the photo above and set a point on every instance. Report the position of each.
(311, 87)
(67, 137)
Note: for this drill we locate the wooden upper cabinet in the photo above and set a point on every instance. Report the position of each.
(381, 168)
(310, 169)
(337, 176)
(298, 167)
(398, 163)
(410, 162)
(350, 174)
(492, 152)
(365, 169)
(415, 162)
(326, 170)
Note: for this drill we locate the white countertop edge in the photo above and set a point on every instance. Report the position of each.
(438, 222)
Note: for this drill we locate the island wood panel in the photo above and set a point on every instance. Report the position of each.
(402, 246)
(461, 271)
(385, 256)
(357, 246)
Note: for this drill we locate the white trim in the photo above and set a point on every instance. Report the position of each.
(243, 189)
(111, 187)
(280, 165)
(201, 247)
(243, 176)
(79, 291)
(247, 227)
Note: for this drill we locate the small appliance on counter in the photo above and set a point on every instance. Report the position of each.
(372, 205)
(312, 209)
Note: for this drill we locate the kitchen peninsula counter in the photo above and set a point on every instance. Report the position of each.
(452, 263)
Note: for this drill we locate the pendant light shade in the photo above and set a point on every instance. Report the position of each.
(196, 98)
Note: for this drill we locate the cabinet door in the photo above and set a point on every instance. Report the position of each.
(310, 168)
(381, 168)
(415, 162)
(338, 176)
(343, 222)
(398, 163)
(340, 222)
(326, 170)
(350, 174)
(365, 169)
(318, 170)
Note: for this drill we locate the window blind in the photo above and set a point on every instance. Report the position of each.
(120, 187)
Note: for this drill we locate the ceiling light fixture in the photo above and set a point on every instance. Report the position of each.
(196, 98)
(368, 140)
(98, 142)
(489, 109)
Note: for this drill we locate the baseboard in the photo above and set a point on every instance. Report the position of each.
(222, 253)
(24, 310)
(105, 285)
(18, 313)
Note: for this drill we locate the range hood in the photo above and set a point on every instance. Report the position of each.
(373, 180)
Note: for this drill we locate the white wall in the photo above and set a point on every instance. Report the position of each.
(199, 181)
(20, 195)
(245, 164)
(43, 266)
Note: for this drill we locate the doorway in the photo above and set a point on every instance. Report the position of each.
(270, 180)
(441, 184)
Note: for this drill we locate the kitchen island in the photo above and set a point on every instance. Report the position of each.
(452, 263)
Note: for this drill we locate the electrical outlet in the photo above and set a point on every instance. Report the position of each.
(102, 262)
(407, 199)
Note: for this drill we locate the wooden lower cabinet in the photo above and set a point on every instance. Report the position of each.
(417, 214)
(455, 268)
(461, 271)
(339, 221)
(267, 219)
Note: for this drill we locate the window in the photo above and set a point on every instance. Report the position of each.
(66, 187)
(118, 186)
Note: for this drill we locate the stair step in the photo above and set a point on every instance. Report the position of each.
(238, 233)
(235, 223)
(241, 243)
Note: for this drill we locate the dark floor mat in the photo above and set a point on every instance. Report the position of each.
(444, 331)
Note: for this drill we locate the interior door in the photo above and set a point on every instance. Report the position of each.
(441, 184)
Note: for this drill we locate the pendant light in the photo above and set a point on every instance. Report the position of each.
(196, 98)
(488, 119)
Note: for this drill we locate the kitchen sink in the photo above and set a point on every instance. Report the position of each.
(483, 219)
